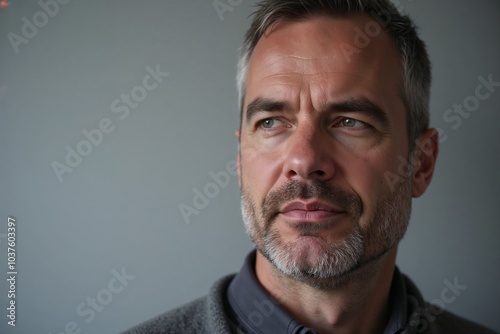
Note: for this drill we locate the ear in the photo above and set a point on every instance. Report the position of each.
(238, 163)
(424, 161)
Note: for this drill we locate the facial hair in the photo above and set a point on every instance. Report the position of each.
(327, 266)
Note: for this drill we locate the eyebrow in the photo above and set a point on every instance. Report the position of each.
(360, 105)
(262, 105)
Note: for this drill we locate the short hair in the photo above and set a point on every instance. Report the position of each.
(415, 64)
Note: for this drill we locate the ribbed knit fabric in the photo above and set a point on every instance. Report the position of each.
(207, 315)
(204, 315)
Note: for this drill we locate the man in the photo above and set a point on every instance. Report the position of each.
(334, 143)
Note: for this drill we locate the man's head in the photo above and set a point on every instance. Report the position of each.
(414, 61)
(334, 98)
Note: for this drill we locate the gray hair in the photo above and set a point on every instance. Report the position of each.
(415, 62)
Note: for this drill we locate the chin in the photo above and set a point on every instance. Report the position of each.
(309, 258)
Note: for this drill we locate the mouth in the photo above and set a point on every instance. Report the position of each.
(310, 211)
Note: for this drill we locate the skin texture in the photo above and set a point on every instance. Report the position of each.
(296, 149)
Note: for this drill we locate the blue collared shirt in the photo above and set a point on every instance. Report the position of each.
(253, 310)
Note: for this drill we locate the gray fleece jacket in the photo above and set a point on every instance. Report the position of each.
(207, 315)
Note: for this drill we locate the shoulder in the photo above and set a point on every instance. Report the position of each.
(447, 322)
(202, 315)
(425, 317)
(175, 321)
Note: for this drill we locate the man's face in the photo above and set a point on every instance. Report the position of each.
(323, 122)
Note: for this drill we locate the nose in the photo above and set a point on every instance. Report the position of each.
(309, 155)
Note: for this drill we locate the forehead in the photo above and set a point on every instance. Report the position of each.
(329, 54)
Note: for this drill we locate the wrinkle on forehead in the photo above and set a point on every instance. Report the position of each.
(309, 54)
(291, 64)
(321, 44)
(287, 73)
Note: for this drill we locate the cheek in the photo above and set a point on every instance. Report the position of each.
(366, 176)
(259, 171)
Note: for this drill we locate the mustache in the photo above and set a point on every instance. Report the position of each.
(294, 190)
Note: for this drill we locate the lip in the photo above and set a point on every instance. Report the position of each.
(310, 211)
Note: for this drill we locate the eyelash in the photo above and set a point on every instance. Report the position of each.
(351, 119)
(260, 123)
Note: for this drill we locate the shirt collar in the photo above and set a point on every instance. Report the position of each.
(253, 310)
(397, 304)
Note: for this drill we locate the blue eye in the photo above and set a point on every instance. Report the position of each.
(351, 123)
(269, 123)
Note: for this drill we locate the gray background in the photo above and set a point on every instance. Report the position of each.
(120, 206)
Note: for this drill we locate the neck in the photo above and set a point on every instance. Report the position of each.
(359, 306)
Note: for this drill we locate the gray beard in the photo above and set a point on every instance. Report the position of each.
(337, 264)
